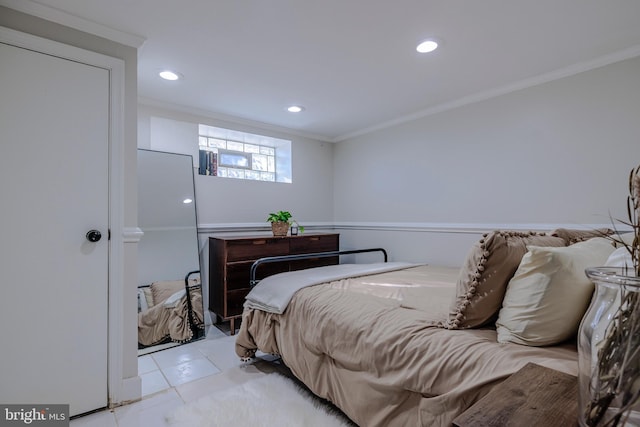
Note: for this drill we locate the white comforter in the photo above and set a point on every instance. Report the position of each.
(272, 294)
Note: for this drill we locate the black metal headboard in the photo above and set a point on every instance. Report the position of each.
(258, 262)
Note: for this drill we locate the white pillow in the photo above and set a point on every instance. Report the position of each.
(549, 293)
(623, 238)
(142, 301)
(172, 301)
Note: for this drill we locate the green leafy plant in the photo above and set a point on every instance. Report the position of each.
(300, 228)
(284, 216)
(280, 216)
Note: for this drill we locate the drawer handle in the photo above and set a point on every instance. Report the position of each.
(315, 238)
(259, 242)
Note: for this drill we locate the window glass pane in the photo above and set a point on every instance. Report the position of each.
(250, 148)
(259, 162)
(244, 155)
(249, 174)
(235, 146)
(270, 151)
(217, 143)
(235, 173)
(229, 159)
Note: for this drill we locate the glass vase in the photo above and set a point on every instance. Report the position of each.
(609, 351)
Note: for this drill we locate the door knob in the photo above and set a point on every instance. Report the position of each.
(93, 235)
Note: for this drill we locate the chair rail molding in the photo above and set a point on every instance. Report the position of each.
(419, 227)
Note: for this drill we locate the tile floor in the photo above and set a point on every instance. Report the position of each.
(172, 377)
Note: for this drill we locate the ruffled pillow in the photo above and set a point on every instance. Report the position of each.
(485, 274)
(571, 236)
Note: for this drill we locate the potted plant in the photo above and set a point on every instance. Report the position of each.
(280, 222)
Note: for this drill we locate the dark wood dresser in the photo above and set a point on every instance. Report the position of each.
(230, 260)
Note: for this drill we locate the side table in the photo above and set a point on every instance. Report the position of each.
(533, 396)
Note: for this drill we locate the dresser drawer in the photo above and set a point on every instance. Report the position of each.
(314, 243)
(252, 249)
(238, 273)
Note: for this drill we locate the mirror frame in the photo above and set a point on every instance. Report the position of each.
(198, 333)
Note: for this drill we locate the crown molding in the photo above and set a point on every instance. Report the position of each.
(571, 70)
(54, 15)
(154, 103)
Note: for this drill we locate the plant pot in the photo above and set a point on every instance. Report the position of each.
(609, 351)
(280, 228)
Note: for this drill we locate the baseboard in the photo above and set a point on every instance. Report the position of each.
(131, 391)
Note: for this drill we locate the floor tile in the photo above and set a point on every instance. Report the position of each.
(99, 419)
(149, 412)
(177, 355)
(221, 352)
(189, 371)
(153, 382)
(146, 364)
(214, 333)
(182, 374)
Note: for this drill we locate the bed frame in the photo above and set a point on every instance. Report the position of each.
(258, 262)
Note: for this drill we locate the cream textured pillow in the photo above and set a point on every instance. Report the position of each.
(164, 289)
(549, 293)
(485, 274)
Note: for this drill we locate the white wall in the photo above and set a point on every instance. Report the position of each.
(239, 206)
(557, 153)
(229, 201)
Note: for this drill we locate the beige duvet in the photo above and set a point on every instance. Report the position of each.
(160, 323)
(370, 345)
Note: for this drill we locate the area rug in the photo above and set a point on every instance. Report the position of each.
(272, 400)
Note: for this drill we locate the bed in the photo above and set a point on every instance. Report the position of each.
(398, 344)
(170, 311)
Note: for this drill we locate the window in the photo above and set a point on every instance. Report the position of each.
(233, 154)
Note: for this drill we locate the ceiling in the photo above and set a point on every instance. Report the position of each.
(352, 63)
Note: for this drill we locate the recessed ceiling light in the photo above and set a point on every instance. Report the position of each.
(169, 75)
(427, 46)
(187, 201)
(295, 109)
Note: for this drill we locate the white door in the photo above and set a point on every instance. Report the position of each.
(54, 188)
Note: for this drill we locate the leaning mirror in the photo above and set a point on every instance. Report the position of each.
(170, 308)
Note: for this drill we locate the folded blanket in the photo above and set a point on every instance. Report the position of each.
(272, 294)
